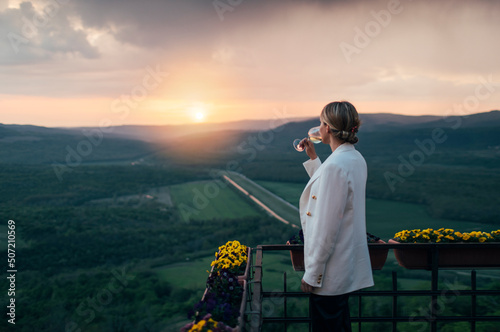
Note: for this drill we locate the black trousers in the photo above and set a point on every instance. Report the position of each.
(330, 313)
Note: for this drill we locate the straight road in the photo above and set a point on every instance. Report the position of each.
(275, 206)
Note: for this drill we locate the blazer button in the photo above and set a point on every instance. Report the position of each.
(313, 197)
(309, 214)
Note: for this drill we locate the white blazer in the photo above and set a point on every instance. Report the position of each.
(332, 214)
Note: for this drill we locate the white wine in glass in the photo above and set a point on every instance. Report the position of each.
(313, 135)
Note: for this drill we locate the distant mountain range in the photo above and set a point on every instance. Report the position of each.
(152, 133)
(35, 144)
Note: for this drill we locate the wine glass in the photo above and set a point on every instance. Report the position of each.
(313, 135)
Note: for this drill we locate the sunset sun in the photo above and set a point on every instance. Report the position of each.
(198, 112)
(199, 116)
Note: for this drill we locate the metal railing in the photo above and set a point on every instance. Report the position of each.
(255, 319)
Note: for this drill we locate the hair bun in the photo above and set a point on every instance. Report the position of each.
(343, 117)
(349, 137)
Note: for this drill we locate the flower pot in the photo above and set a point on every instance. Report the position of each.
(243, 277)
(378, 256)
(297, 257)
(472, 256)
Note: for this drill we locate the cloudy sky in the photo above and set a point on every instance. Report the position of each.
(92, 62)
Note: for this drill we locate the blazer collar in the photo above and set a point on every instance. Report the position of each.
(342, 148)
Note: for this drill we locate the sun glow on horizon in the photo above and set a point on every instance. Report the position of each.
(198, 112)
(199, 116)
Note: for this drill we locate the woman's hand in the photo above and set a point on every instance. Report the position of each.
(309, 146)
(305, 287)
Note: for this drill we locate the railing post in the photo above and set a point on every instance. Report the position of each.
(394, 300)
(434, 285)
(473, 300)
(284, 299)
(256, 316)
(359, 311)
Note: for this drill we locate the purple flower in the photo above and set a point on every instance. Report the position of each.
(222, 299)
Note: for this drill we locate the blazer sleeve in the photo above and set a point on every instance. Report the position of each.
(312, 166)
(325, 224)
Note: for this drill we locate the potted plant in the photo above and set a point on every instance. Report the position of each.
(297, 255)
(222, 299)
(449, 254)
(378, 255)
(220, 306)
(232, 257)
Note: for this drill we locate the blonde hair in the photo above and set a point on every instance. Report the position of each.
(343, 120)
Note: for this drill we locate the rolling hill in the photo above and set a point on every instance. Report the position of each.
(34, 144)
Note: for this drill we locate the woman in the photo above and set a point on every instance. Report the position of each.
(332, 214)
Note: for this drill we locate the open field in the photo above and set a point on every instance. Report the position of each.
(190, 274)
(221, 203)
(289, 191)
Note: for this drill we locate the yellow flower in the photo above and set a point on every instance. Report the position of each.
(466, 237)
(482, 239)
